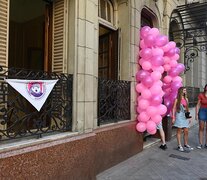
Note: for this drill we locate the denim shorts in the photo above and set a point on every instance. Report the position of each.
(159, 126)
(202, 114)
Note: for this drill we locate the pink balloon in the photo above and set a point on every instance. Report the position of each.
(141, 127)
(139, 87)
(158, 83)
(173, 63)
(146, 65)
(154, 31)
(151, 110)
(162, 109)
(160, 69)
(153, 131)
(166, 86)
(149, 40)
(139, 98)
(166, 47)
(157, 118)
(171, 52)
(174, 72)
(143, 104)
(180, 67)
(167, 79)
(141, 74)
(177, 78)
(157, 60)
(146, 53)
(175, 85)
(162, 93)
(167, 67)
(156, 75)
(139, 110)
(157, 52)
(144, 31)
(167, 93)
(172, 44)
(151, 126)
(148, 81)
(156, 100)
(177, 50)
(175, 57)
(143, 117)
(146, 94)
(141, 60)
(168, 103)
(161, 40)
(166, 59)
(173, 94)
(142, 45)
(155, 89)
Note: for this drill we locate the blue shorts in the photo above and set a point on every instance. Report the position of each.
(202, 114)
(159, 126)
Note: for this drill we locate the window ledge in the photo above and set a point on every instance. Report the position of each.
(32, 144)
(107, 24)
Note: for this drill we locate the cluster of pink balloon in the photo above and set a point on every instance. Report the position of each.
(157, 55)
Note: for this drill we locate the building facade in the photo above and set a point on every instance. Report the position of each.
(92, 48)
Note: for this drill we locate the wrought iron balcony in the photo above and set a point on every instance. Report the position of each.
(18, 118)
(188, 28)
(113, 101)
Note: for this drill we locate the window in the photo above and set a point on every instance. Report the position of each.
(106, 10)
(108, 53)
(146, 20)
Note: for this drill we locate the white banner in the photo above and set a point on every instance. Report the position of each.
(35, 91)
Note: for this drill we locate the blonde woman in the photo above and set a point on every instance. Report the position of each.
(179, 119)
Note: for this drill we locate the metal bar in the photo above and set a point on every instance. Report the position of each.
(113, 101)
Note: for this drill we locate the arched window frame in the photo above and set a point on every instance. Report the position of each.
(108, 20)
(146, 18)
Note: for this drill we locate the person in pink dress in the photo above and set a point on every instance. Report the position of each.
(201, 115)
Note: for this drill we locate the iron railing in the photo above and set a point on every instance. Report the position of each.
(18, 118)
(188, 30)
(192, 95)
(113, 101)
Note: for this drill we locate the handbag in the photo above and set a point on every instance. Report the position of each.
(187, 115)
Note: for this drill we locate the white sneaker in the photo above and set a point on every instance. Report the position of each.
(188, 147)
(180, 148)
(200, 146)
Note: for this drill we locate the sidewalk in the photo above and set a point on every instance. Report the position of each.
(154, 163)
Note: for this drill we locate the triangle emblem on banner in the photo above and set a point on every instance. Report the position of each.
(35, 91)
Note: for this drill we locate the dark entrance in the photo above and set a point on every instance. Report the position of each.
(29, 34)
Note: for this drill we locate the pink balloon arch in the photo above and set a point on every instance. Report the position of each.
(156, 93)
